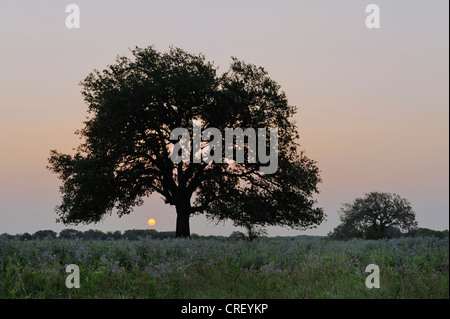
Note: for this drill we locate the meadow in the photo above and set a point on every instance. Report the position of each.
(303, 267)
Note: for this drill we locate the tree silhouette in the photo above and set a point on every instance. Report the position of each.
(134, 105)
(374, 216)
(44, 234)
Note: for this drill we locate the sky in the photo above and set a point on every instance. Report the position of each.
(372, 103)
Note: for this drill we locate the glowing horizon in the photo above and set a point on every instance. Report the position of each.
(372, 104)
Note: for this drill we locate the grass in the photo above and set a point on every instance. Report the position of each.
(176, 268)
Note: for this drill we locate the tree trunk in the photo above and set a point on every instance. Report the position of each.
(183, 214)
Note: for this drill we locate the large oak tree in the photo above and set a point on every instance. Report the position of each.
(124, 157)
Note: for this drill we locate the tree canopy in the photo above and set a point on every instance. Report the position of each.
(135, 104)
(374, 216)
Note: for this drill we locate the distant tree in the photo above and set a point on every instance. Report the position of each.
(426, 232)
(374, 216)
(236, 235)
(344, 231)
(134, 107)
(25, 236)
(6, 236)
(195, 236)
(136, 234)
(45, 234)
(94, 235)
(394, 232)
(117, 234)
(131, 234)
(114, 235)
(70, 234)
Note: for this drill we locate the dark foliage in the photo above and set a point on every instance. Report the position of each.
(135, 104)
(375, 216)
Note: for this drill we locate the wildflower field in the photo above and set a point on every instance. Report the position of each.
(304, 267)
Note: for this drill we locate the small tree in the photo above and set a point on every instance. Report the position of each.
(374, 216)
(236, 235)
(92, 234)
(114, 235)
(25, 236)
(44, 234)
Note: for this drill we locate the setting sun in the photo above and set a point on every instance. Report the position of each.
(151, 222)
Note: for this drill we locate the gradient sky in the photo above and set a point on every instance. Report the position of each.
(373, 103)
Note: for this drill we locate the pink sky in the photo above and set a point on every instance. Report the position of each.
(373, 104)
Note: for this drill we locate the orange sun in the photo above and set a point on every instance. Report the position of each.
(151, 222)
